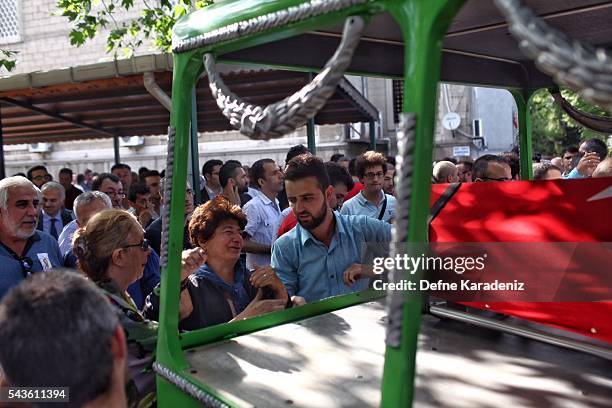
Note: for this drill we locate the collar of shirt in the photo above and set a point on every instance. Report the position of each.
(264, 199)
(364, 201)
(306, 236)
(212, 192)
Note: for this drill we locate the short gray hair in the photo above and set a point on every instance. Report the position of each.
(14, 182)
(88, 198)
(54, 185)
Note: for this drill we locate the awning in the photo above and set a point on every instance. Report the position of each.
(108, 99)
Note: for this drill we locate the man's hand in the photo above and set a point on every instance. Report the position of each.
(231, 192)
(191, 260)
(587, 164)
(355, 272)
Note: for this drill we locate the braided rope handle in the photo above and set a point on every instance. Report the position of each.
(280, 118)
(406, 137)
(575, 64)
(165, 237)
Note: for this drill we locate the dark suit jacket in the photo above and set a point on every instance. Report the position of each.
(66, 216)
(153, 235)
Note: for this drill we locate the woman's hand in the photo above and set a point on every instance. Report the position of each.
(259, 306)
(265, 276)
(191, 260)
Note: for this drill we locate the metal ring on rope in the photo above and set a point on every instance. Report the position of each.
(575, 64)
(280, 118)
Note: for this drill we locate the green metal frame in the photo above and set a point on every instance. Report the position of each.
(424, 24)
(523, 100)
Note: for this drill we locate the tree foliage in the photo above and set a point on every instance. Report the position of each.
(7, 59)
(154, 21)
(553, 129)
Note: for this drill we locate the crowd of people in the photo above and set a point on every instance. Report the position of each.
(264, 238)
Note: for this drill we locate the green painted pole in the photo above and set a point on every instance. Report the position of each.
(372, 135)
(168, 351)
(424, 23)
(194, 150)
(523, 102)
(310, 136)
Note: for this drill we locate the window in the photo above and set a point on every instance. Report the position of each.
(9, 22)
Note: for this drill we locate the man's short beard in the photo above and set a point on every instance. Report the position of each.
(17, 232)
(316, 220)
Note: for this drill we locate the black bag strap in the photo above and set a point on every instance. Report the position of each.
(443, 200)
(384, 207)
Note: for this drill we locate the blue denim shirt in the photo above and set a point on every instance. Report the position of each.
(359, 205)
(310, 269)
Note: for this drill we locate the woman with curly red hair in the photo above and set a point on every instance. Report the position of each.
(222, 289)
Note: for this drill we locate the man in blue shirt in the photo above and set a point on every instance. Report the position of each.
(23, 249)
(591, 152)
(322, 255)
(372, 200)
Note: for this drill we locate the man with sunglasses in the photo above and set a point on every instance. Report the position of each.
(23, 249)
(372, 201)
(491, 168)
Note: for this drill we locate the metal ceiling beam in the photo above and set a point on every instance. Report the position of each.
(57, 116)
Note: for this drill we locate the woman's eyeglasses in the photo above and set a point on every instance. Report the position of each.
(144, 245)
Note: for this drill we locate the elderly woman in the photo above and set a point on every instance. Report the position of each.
(112, 251)
(222, 289)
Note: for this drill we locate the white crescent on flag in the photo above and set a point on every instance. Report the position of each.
(602, 195)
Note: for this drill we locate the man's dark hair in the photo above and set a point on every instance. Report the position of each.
(307, 165)
(570, 150)
(336, 157)
(369, 159)
(391, 160)
(467, 164)
(338, 174)
(296, 151)
(56, 330)
(514, 162)
(479, 170)
(66, 170)
(35, 168)
(597, 146)
(228, 171)
(95, 186)
(208, 167)
(138, 189)
(80, 178)
(142, 171)
(150, 173)
(541, 170)
(259, 172)
(120, 166)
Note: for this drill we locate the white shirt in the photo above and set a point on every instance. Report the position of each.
(263, 220)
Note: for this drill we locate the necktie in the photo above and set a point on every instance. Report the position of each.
(53, 230)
